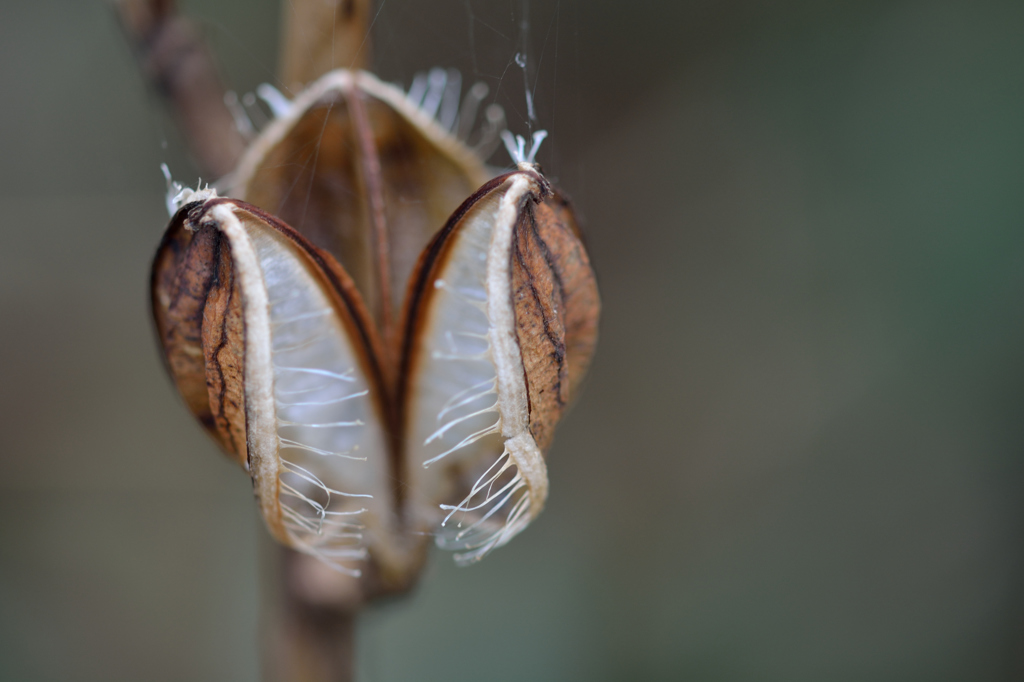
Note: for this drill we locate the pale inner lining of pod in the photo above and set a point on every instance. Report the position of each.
(330, 438)
(456, 425)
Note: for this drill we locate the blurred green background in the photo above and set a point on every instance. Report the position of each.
(798, 456)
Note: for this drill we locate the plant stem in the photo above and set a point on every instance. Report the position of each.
(175, 59)
(311, 637)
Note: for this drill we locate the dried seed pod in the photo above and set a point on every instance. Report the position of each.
(365, 433)
(277, 333)
(270, 344)
(364, 173)
(500, 323)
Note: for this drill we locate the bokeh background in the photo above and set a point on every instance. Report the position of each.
(798, 456)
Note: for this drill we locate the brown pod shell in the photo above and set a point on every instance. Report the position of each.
(364, 174)
(556, 307)
(223, 336)
(565, 256)
(486, 370)
(276, 333)
(184, 273)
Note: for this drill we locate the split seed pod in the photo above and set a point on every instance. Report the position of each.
(362, 443)
(365, 174)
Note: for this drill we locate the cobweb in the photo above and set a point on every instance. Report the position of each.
(525, 52)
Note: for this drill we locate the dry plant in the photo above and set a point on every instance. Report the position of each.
(379, 329)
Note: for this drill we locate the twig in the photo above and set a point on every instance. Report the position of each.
(177, 62)
(312, 623)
